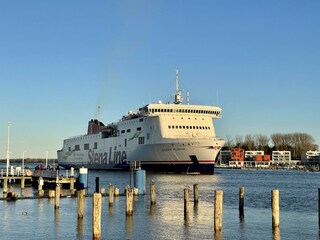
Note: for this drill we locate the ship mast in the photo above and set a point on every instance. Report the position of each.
(178, 95)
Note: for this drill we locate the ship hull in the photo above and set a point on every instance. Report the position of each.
(176, 157)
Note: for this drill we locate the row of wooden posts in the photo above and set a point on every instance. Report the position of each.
(97, 203)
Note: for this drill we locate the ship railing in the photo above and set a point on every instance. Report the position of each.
(77, 136)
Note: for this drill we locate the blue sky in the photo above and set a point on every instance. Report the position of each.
(59, 60)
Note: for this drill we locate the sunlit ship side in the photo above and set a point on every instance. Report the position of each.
(162, 137)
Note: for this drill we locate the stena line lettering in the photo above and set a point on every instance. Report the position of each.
(117, 157)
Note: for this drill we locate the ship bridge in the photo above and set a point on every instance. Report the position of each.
(157, 109)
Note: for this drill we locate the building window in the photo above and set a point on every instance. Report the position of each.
(86, 146)
(128, 130)
(95, 145)
(77, 147)
(125, 142)
(139, 129)
(123, 131)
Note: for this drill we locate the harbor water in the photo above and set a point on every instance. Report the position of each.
(37, 219)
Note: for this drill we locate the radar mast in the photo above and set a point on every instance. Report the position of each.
(178, 95)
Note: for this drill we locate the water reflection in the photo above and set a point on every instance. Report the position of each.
(276, 233)
(152, 210)
(80, 228)
(129, 221)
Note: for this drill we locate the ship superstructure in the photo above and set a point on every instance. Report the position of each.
(162, 137)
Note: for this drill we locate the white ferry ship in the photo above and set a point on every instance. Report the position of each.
(161, 137)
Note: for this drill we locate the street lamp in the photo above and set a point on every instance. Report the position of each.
(23, 162)
(46, 159)
(8, 149)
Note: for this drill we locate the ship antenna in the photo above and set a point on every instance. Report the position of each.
(177, 96)
(188, 97)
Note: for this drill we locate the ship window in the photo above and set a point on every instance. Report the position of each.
(161, 110)
(172, 126)
(169, 126)
(139, 129)
(184, 127)
(86, 146)
(187, 127)
(209, 128)
(77, 147)
(141, 140)
(95, 145)
(123, 131)
(194, 127)
(177, 126)
(180, 126)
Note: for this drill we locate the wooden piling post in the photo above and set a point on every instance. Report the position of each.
(5, 185)
(96, 215)
(153, 192)
(116, 192)
(111, 194)
(275, 208)
(52, 194)
(241, 201)
(80, 203)
(195, 193)
(40, 184)
(129, 201)
(218, 210)
(57, 197)
(186, 203)
(22, 182)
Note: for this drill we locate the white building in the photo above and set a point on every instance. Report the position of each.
(281, 156)
(311, 156)
(252, 154)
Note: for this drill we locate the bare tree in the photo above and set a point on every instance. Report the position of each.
(262, 142)
(249, 142)
(276, 139)
(229, 142)
(238, 141)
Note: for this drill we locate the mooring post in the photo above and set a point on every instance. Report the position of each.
(116, 192)
(275, 208)
(195, 193)
(186, 203)
(40, 184)
(96, 215)
(218, 210)
(111, 194)
(5, 185)
(80, 203)
(241, 201)
(57, 197)
(129, 201)
(97, 185)
(153, 192)
(22, 182)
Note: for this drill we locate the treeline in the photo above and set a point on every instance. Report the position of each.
(297, 143)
